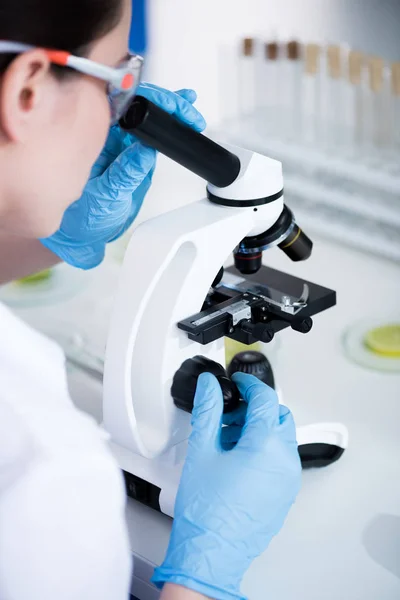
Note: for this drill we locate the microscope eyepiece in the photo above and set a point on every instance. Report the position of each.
(191, 149)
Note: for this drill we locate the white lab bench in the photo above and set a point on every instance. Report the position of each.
(341, 540)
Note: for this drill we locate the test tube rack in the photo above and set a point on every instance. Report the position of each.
(344, 179)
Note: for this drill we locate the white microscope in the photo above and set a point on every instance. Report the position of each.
(171, 306)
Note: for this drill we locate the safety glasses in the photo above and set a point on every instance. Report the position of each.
(122, 80)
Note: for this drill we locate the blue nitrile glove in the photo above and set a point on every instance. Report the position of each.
(117, 186)
(231, 503)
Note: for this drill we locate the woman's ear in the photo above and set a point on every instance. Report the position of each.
(22, 90)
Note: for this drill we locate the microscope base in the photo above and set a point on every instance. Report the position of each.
(155, 482)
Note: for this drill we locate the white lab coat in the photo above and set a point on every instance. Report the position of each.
(62, 525)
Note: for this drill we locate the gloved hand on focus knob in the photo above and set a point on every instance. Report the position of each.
(231, 503)
(117, 186)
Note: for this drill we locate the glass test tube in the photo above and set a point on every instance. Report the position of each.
(385, 129)
(375, 71)
(259, 82)
(247, 78)
(294, 55)
(333, 97)
(311, 94)
(366, 95)
(353, 104)
(379, 99)
(395, 107)
(270, 87)
(290, 89)
(282, 92)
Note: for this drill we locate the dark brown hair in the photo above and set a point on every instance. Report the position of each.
(70, 25)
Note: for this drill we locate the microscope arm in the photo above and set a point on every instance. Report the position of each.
(169, 266)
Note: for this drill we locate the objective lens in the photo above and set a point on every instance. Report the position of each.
(285, 233)
(248, 264)
(297, 245)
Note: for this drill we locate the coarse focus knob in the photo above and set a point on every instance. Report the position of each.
(184, 383)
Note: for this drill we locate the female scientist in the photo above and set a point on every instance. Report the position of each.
(63, 66)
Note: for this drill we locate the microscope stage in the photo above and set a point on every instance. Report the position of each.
(319, 298)
(254, 308)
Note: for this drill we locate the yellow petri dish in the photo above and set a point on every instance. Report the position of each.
(374, 343)
(35, 278)
(58, 284)
(384, 340)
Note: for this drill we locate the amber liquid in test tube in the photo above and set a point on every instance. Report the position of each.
(311, 94)
(247, 78)
(395, 109)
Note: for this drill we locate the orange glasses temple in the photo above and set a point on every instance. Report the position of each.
(58, 57)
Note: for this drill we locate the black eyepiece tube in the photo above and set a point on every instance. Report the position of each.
(178, 141)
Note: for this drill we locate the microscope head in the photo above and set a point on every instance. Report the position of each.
(259, 186)
(237, 178)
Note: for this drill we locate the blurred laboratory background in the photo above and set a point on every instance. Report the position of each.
(204, 28)
(316, 85)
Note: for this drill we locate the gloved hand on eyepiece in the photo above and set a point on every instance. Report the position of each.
(231, 503)
(117, 186)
